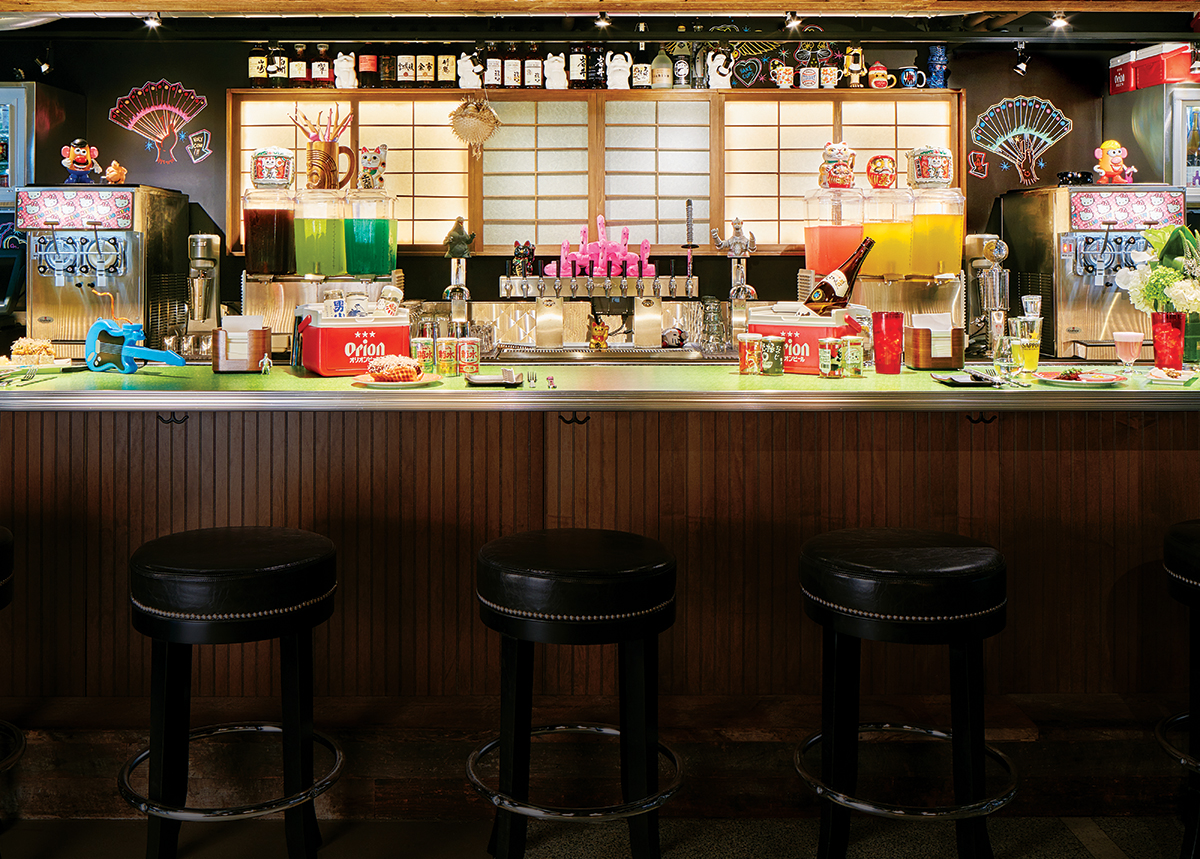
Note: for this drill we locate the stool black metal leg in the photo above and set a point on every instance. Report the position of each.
(296, 663)
(966, 715)
(840, 662)
(1190, 848)
(516, 720)
(170, 702)
(638, 687)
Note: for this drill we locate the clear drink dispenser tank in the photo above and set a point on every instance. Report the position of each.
(835, 227)
(938, 218)
(888, 219)
(370, 233)
(320, 232)
(269, 230)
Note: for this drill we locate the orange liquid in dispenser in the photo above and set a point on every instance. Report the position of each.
(893, 248)
(937, 244)
(826, 247)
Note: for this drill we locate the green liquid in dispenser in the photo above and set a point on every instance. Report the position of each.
(370, 245)
(320, 246)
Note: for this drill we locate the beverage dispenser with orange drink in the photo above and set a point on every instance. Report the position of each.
(888, 219)
(938, 212)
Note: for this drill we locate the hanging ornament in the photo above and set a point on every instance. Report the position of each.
(474, 121)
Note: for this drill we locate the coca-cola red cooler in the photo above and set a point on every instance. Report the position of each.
(344, 346)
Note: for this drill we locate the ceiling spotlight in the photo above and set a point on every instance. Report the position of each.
(602, 20)
(153, 20)
(1022, 65)
(43, 66)
(1058, 20)
(792, 21)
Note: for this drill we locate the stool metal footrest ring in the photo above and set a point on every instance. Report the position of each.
(586, 815)
(16, 738)
(1181, 757)
(906, 812)
(242, 812)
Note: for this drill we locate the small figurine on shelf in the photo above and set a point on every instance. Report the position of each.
(458, 240)
(881, 171)
(522, 265)
(597, 334)
(468, 72)
(80, 161)
(1112, 167)
(264, 366)
(343, 72)
(738, 246)
(115, 174)
(618, 66)
(371, 164)
(554, 71)
(837, 166)
(720, 69)
(853, 66)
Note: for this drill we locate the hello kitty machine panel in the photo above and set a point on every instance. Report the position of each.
(1127, 209)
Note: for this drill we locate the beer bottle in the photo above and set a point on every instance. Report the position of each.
(834, 289)
(321, 68)
(368, 67)
(447, 67)
(258, 66)
(639, 77)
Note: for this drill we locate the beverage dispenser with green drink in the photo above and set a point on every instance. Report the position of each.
(321, 232)
(370, 232)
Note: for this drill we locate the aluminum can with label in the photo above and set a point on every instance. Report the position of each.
(390, 300)
(447, 356)
(749, 354)
(829, 357)
(422, 351)
(772, 355)
(333, 303)
(852, 357)
(468, 355)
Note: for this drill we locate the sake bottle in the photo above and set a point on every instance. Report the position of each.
(834, 289)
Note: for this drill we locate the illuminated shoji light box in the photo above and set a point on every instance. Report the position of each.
(535, 173)
(656, 157)
(895, 127)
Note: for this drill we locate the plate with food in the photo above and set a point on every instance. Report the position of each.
(1079, 378)
(1170, 376)
(32, 352)
(395, 372)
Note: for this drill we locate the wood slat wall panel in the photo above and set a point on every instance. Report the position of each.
(1077, 502)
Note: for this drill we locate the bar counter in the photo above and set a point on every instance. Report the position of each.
(579, 387)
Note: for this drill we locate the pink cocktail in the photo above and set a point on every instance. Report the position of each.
(828, 246)
(1167, 331)
(1129, 347)
(887, 328)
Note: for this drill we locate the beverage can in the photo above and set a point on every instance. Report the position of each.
(422, 351)
(852, 357)
(772, 355)
(447, 356)
(749, 354)
(390, 299)
(829, 357)
(334, 303)
(468, 355)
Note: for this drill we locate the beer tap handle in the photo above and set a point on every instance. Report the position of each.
(639, 286)
(574, 287)
(607, 286)
(558, 287)
(624, 286)
(590, 286)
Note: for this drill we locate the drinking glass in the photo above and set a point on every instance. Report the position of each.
(1167, 332)
(1028, 344)
(1004, 357)
(888, 337)
(1129, 348)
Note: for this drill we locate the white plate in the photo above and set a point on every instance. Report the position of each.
(58, 364)
(1158, 377)
(365, 381)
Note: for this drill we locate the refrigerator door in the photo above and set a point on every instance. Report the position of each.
(1185, 142)
(36, 121)
(15, 153)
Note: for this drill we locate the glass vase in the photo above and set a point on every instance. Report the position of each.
(1167, 331)
(1191, 339)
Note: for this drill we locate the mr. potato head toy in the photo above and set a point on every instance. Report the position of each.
(1112, 167)
(80, 161)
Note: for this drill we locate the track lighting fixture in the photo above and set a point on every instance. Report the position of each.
(792, 21)
(1022, 65)
(602, 20)
(1059, 21)
(153, 20)
(43, 66)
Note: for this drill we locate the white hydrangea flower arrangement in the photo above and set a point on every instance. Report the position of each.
(1169, 277)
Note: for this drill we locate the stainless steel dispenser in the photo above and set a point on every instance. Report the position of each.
(1066, 244)
(988, 296)
(103, 251)
(204, 281)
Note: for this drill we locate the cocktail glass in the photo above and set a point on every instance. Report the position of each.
(1129, 348)
(1166, 329)
(888, 336)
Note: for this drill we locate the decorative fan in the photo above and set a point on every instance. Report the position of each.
(158, 112)
(474, 121)
(1019, 130)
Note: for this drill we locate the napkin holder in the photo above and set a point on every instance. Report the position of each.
(240, 351)
(925, 351)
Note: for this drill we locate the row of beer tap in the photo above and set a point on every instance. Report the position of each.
(593, 287)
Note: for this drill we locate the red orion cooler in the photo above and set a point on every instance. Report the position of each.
(800, 332)
(344, 346)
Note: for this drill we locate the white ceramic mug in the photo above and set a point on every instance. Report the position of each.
(830, 75)
(809, 77)
(784, 76)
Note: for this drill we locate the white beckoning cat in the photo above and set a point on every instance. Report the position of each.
(555, 71)
(371, 164)
(618, 69)
(468, 72)
(343, 72)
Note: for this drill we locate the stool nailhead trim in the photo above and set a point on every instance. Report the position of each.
(9, 579)
(1189, 582)
(537, 615)
(248, 615)
(903, 617)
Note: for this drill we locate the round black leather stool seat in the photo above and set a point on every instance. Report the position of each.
(225, 585)
(904, 585)
(1181, 558)
(576, 586)
(6, 567)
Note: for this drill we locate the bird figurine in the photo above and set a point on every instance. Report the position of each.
(458, 240)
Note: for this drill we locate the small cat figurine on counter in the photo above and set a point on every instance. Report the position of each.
(371, 164)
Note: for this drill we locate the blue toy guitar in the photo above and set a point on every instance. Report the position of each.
(113, 346)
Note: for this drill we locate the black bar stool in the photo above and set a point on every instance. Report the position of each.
(912, 587)
(11, 737)
(222, 586)
(577, 586)
(1181, 559)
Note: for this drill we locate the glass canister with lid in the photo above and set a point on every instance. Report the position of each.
(370, 232)
(268, 213)
(888, 219)
(320, 232)
(938, 212)
(835, 227)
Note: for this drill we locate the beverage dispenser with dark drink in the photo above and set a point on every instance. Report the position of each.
(86, 243)
(269, 213)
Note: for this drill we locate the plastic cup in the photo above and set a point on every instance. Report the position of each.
(887, 328)
(1167, 331)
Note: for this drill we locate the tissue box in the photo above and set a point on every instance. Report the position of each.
(799, 332)
(344, 346)
(919, 351)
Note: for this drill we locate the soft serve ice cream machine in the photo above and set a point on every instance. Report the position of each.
(129, 241)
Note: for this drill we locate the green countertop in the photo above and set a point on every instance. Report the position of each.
(579, 387)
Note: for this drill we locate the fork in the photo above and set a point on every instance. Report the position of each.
(29, 375)
(531, 376)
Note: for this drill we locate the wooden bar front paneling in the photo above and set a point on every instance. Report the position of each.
(1078, 502)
